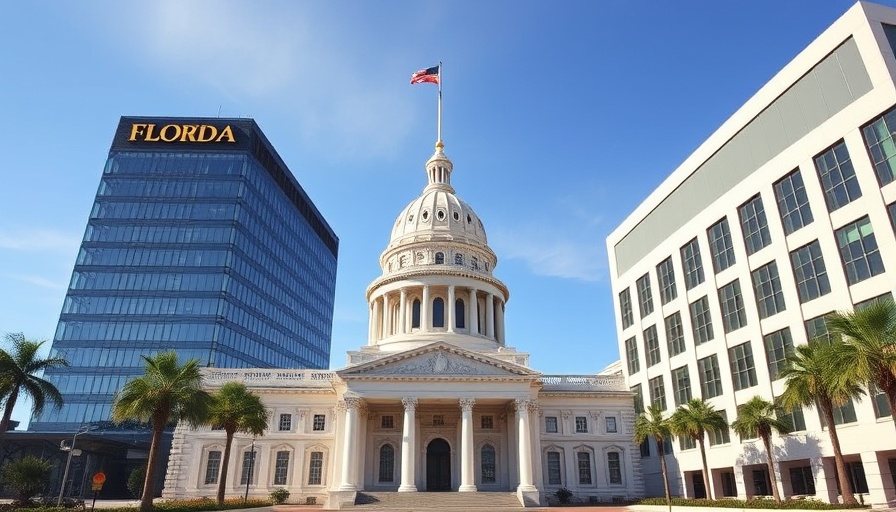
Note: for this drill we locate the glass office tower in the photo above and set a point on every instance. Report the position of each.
(200, 240)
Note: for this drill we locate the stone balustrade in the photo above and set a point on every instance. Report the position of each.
(254, 377)
(582, 383)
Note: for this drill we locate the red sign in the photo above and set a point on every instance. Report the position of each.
(99, 478)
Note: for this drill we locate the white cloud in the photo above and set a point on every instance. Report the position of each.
(552, 254)
(34, 240)
(40, 281)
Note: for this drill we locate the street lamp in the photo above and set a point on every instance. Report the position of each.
(251, 470)
(68, 462)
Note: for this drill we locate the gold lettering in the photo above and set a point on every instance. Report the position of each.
(148, 137)
(136, 129)
(212, 133)
(166, 129)
(189, 133)
(226, 132)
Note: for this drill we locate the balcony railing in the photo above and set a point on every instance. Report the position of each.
(582, 383)
(253, 377)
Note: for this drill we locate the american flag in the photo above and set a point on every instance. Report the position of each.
(430, 75)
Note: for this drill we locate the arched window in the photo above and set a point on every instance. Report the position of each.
(440, 258)
(488, 464)
(458, 259)
(459, 314)
(438, 312)
(415, 314)
(387, 463)
(474, 262)
(403, 262)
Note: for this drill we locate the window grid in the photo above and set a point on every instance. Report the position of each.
(693, 265)
(710, 377)
(733, 315)
(882, 147)
(631, 351)
(794, 418)
(701, 320)
(584, 465)
(248, 469)
(387, 421)
(611, 424)
(554, 475)
(281, 468)
(625, 308)
(581, 424)
(487, 422)
(720, 246)
(810, 272)
(880, 401)
(674, 334)
(681, 385)
(767, 285)
(793, 203)
(213, 467)
(645, 296)
(743, 372)
(285, 422)
(845, 413)
(778, 346)
(859, 251)
(387, 463)
(488, 464)
(657, 392)
(652, 346)
(550, 424)
(838, 178)
(315, 468)
(817, 328)
(722, 435)
(319, 423)
(639, 398)
(665, 274)
(754, 225)
(614, 467)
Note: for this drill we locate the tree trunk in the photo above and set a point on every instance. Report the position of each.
(225, 463)
(705, 467)
(149, 483)
(845, 485)
(660, 443)
(7, 412)
(766, 440)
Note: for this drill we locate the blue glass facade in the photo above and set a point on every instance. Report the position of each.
(208, 248)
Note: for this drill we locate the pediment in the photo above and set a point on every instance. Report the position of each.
(437, 360)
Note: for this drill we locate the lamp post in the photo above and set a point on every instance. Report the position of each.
(68, 461)
(251, 470)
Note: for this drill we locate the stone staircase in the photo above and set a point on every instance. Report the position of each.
(424, 501)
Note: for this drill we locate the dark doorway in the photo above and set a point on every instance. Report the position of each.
(438, 466)
(697, 482)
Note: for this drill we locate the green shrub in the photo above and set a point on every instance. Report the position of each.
(136, 480)
(27, 477)
(279, 496)
(754, 503)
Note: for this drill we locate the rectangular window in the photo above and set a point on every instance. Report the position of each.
(701, 321)
(681, 385)
(625, 308)
(387, 421)
(838, 178)
(720, 246)
(817, 328)
(710, 377)
(810, 273)
(687, 443)
(652, 346)
(645, 296)
(631, 352)
(881, 146)
(248, 469)
(614, 467)
(438, 420)
(611, 424)
(858, 249)
(213, 467)
(657, 392)
(880, 401)
(665, 274)
(873, 300)
(754, 225)
(733, 315)
(720, 436)
(554, 469)
(802, 481)
(581, 425)
(729, 484)
(793, 418)
(793, 203)
(767, 285)
(845, 413)
(285, 422)
(550, 424)
(315, 468)
(778, 346)
(487, 422)
(693, 265)
(319, 423)
(743, 373)
(639, 398)
(674, 334)
(584, 465)
(645, 448)
(855, 471)
(892, 211)
(281, 468)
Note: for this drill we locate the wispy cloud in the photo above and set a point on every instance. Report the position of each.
(32, 240)
(549, 253)
(40, 281)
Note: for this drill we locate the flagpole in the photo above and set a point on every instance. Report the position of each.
(439, 132)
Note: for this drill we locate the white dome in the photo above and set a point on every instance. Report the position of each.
(438, 215)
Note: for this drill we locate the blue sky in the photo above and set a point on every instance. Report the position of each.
(560, 117)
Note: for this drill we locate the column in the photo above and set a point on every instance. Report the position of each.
(474, 312)
(452, 320)
(499, 328)
(403, 312)
(348, 447)
(878, 486)
(408, 446)
(387, 317)
(490, 315)
(466, 446)
(369, 323)
(525, 444)
(377, 322)
(425, 308)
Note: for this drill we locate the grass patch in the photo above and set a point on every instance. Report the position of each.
(760, 503)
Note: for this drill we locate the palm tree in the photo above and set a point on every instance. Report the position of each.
(18, 369)
(869, 345)
(651, 424)
(167, 391)
(235, 409)
(814, 379)
(693, 420)
(757, 417)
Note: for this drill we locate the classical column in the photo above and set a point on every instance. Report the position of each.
(499, 327)
(474, 312)
(490, 315)
(425, 308)
(369, 323)
(402, 312)
(452, 319)
(387, 316)
(408, 446)
(525, 443)
(348, 446)
(466, 446)
(377, 322)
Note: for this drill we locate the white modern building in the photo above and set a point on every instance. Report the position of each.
(435, 401)
(785, 214)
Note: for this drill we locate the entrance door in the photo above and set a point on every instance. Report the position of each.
(438, 466)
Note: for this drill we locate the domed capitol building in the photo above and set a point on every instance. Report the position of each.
(435, 401)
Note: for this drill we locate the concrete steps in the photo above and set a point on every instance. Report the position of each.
(452, 501)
